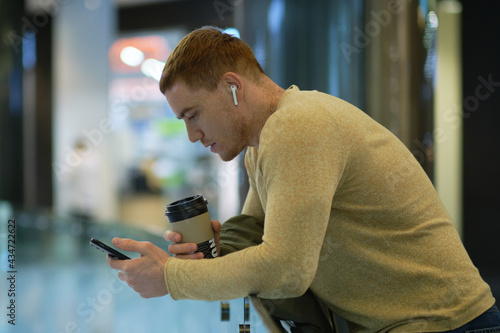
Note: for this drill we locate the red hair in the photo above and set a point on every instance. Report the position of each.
(202, 57)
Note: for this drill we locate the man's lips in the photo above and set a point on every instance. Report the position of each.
(211, 145)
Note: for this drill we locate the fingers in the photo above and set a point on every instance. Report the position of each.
(216, 226)
(176, 237)
(172, 236)
(125, 244)
(132, 245)
(178, 248)
(115, 263)
(187, 250)
(145, 274)
(182, 248)
(121, 275)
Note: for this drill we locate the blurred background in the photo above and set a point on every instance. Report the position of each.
(90, 148)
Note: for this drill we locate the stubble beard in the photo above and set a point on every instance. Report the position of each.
(230, 155)
(240, 138)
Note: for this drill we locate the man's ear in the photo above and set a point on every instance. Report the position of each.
(235, 85)
(232, 79)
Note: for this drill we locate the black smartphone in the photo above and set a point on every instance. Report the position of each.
(107, 249)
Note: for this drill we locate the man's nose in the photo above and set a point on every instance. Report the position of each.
(194, 134)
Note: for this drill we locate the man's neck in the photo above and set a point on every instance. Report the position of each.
(270, 95)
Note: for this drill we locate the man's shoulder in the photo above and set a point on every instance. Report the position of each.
(299, 105)
(305, 113)
(295, 98)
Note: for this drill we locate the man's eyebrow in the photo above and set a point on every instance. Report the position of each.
(184, 111)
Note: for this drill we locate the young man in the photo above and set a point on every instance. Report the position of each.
(343, 208)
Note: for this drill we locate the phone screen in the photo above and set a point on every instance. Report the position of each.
(107, 249)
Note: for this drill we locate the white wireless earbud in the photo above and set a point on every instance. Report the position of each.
(233, 89)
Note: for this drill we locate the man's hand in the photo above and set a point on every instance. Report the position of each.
(145, 274)
(186, 250)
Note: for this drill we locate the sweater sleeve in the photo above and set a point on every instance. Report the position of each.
(297, 172)
(300, 165)
(240, 232)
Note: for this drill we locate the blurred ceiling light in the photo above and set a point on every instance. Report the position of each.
(232, 31)
(433, 20)
(131, 56)
(138, 48)
(152, 68)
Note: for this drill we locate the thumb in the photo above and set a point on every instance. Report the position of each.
(216, 227)
(126, 244)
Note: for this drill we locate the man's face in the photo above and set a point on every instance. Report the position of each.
(211, 118)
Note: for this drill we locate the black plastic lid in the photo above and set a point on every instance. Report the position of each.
(186, 208)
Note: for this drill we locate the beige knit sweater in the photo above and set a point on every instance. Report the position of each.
(350, 214)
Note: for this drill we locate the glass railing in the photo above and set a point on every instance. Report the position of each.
(53, 281)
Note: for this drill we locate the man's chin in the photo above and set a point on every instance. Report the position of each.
(229, 156)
